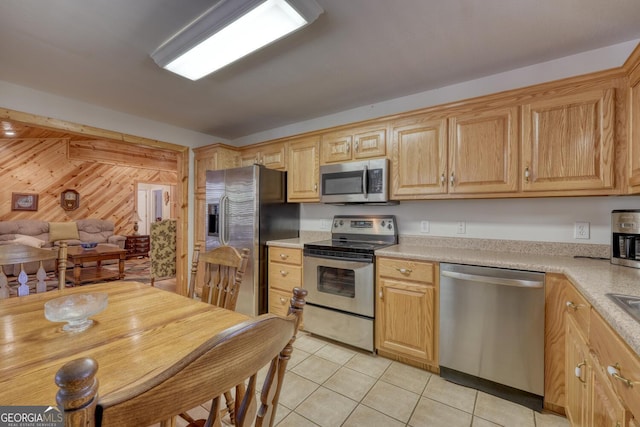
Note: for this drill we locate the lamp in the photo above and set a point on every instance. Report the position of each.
(231, 30)
(136, 219)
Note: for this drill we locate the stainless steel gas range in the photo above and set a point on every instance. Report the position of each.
(339, 275)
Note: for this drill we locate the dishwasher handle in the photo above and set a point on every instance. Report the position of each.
(494, 280)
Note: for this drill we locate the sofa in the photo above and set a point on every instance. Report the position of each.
(37, 233)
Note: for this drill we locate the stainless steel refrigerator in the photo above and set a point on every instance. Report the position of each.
(246, 207)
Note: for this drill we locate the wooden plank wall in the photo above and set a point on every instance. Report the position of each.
(107, 189)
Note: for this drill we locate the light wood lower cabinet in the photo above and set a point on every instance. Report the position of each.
(406, 310)
(594, 397)
(285, 273)
(578, 374)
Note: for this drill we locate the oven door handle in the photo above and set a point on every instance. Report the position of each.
(338, 258)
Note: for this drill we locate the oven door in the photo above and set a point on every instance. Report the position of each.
(340, 284)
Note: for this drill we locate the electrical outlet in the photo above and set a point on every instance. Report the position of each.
(462, 227)
(424, 226)
(581, 230)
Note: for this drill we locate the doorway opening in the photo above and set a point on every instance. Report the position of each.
(154, 203)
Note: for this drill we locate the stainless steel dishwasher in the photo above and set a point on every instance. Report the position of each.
(492, 331)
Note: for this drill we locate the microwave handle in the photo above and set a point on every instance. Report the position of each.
(365, 184)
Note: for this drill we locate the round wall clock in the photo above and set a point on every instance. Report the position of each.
(70, 200)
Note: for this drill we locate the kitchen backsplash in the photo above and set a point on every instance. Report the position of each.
(518, 246)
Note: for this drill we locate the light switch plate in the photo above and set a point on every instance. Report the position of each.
(424, 226)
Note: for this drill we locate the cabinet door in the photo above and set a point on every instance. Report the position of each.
(419, 158)
(274, 156)
(370, 143)
(483, 152)
(250, 157)
(304, 170)
(405, 319)
(336, 147)
(634, 140)
(353, 144)
(578, 372)
(606, 409)
(567, 142)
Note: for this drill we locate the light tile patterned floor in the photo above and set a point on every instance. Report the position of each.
(331, 385)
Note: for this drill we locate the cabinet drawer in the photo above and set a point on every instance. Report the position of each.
(284, 277)
(279, 302)
(611, 350)
(406, 270)
(578, 308)
(285, 255)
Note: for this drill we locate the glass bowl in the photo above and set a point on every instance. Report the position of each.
(75, 310)
(89, 245)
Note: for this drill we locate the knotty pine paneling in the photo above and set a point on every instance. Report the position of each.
(42, 166)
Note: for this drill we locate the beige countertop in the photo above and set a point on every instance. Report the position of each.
(593, 277)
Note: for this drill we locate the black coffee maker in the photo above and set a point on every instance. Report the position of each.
(625, 244)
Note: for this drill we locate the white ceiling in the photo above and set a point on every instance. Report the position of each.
(357, 53)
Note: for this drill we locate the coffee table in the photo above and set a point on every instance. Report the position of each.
(77, 255)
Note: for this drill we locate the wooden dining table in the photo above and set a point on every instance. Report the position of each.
(141, 333)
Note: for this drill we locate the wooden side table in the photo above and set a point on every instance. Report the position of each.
(137, 246)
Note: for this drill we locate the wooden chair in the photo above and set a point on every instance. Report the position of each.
(21, 254)
(233, 356)
(222, 269)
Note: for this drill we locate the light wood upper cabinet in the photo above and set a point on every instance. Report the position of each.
(354, 144)
(634, 139)
(568, 142)
(419, 157)
(213, 157)
(304, 170)
(483, 152)
(272, 156)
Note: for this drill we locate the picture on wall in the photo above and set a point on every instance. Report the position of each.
(24, 202)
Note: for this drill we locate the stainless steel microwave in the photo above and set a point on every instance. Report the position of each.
(355, 182)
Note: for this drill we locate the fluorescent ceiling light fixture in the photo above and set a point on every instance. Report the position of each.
(231, 30)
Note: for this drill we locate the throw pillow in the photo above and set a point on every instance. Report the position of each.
(63, 231)
(22, 239)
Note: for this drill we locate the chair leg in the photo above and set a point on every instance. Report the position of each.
(153, 279)
(230, 406)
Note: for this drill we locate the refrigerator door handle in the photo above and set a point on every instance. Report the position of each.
(224, 222)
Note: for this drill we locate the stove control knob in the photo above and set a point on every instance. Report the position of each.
(382, 223)
(390, 227)
(341, 223)
(335, 224)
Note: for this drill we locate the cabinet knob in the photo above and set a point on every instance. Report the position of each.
(348, 147)
(404, 270)
(283, 273)
(380, 294)
(283, 300)
(526, 174)
(578, 371)
(315, 187)
(442, 179)
(451, 179)
(614, 371)
(284, 256)
(357, 146)
(571, 305)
